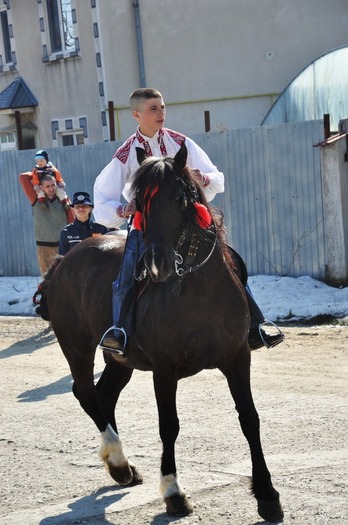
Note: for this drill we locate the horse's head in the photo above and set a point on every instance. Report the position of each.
(167, 201)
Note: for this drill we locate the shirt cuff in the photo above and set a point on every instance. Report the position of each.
(120, 211)
(205, 180)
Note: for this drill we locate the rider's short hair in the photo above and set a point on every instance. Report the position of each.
(141, 94)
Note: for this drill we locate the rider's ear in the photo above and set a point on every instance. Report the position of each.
(181, 157)
(141, 155)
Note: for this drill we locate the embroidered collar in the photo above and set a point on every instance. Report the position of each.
(145, 141)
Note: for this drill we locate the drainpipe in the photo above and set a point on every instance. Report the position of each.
(139, 43)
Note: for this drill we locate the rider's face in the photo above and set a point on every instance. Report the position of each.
(150, 116)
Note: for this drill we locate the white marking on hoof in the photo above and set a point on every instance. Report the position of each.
(169, 486)
(111, 449)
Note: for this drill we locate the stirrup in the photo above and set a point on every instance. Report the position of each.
(278, 337)
(110, 349)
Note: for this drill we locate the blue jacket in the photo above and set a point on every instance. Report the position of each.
(77, 231)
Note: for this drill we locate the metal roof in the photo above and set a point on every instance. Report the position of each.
(320, 88)
(17, 95)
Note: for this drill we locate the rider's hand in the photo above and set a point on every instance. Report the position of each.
(129, 208)
(197, 175)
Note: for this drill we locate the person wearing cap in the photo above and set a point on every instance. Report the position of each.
(42, 167)
(83, 226)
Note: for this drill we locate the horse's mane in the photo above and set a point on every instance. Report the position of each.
(162, 172)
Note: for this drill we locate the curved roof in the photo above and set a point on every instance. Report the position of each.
(322, 87)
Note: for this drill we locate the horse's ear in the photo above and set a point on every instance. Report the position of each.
(141, 155)
(181, 156)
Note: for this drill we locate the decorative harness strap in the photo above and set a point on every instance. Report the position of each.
(188, 266)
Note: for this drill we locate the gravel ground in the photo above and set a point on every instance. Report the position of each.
(51, 473)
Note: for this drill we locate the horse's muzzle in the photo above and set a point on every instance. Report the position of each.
(159, 261)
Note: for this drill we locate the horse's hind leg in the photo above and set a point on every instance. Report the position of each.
(165, 389)
(238, 377)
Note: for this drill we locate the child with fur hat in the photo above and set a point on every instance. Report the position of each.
(43, 167)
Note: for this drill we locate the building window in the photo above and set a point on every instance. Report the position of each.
(72, 139)
(61, 18)
(6, 41)
(69, 132)
(8, 140)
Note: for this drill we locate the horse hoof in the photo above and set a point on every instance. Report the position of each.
(178, 505)
(137, 477)
(122, 475)
(270, 510)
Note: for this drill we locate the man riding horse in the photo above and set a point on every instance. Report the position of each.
(149, 111)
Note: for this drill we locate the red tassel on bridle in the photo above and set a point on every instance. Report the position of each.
(203, 216)
(138, 221)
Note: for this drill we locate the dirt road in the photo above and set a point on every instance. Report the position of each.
(50, 472)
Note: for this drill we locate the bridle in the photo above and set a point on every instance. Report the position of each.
(183, 264)
(183, 268)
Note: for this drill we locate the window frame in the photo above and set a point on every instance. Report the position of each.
(59, 29)
(5, 34)
(75, 134)
(60, 22)
(8, 145)
(7, 47)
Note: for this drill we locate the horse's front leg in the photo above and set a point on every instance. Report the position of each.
(165, 385)
(114, 378)
(238, 377)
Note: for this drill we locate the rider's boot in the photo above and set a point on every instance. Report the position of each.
(259, 335)
(114, 341)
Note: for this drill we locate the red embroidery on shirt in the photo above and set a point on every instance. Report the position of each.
(122, 153)
(179, 138)
(161, 143)
(147, 146)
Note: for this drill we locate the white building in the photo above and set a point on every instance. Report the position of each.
(219, 64)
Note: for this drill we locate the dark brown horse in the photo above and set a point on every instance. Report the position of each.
(191, 314)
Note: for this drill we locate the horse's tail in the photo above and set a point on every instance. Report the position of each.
(40, 296)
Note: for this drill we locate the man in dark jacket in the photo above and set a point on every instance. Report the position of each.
(83, 226)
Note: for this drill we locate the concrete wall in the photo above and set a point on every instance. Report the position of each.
(233, 56)
(228, 57)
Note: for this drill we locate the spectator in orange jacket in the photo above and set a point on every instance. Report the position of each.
(48, 222)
